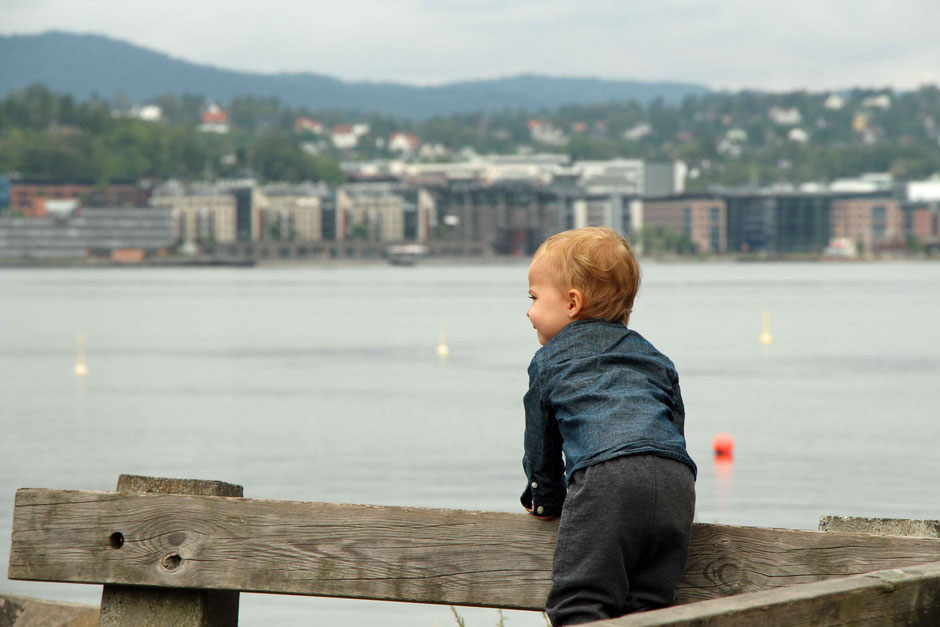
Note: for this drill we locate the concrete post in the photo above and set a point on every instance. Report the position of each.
(881, 526)
(126, 606)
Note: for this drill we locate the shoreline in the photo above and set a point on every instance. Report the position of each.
(177, 262)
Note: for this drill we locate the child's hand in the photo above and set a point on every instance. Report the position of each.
(549, 517)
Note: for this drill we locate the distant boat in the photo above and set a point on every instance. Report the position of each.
(406, 254)
(840, 248)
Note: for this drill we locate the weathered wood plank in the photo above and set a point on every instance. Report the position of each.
(727, 560)
(393, 553)
(129, 606)
(359, 551)
(905, 596)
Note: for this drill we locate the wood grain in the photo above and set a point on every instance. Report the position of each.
(907, 596)
(725, 560)
(360, 551)
(392, 553)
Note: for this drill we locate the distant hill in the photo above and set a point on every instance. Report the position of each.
(86, 64)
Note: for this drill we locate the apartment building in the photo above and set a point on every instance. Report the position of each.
(288, 216)
(871, 222)
(622, 213)
(700, 219)
(201, 213)
(383, 212)
(783, 222)
(508, 217)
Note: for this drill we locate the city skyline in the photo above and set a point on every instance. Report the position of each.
(721, 44)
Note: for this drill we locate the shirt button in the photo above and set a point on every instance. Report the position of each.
(535, 484)
(540, 510)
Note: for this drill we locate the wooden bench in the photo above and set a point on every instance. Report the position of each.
(180, 551)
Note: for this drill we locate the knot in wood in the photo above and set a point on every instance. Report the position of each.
(172, 561)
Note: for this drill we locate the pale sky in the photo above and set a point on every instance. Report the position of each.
(733, 44)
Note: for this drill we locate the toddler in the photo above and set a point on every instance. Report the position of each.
(604, 398)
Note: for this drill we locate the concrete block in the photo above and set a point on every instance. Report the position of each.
(16, 611)
(881, 526)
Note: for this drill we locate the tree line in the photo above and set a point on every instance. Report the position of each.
(52, 136)
(725, 138)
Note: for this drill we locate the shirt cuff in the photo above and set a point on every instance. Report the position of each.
(536, 507)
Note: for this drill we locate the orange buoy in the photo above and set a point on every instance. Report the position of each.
(723, 445)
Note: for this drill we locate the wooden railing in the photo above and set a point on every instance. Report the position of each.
(188, 547)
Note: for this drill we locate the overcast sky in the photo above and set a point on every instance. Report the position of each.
(780, 45)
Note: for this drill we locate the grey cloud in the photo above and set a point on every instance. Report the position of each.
(798, 44)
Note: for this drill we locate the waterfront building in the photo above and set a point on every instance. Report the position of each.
(535, 168)
(622, 213)
(292, 212)
(383, 212)
(27, 196)
(702, 219)
(922, 221)
(927, 191)
(921, 211)
(775, 222)
(201, 213)
(870, 221)
(507, 217)
(241, 210)
(4, 192)
(518, 201)
(121, 234)
(630, 177)
(611, 176)
(373, 171)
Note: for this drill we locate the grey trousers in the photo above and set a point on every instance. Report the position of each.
(623, 539)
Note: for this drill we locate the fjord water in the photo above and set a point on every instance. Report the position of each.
(324, 383)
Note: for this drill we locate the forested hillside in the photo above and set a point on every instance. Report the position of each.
(85, 65)
(725, 138)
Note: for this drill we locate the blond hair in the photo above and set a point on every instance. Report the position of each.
(599, 263)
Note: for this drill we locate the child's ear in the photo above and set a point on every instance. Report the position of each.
(575, 303)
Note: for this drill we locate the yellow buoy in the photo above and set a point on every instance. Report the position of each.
(80, 368)
(765, 336)
(442, 350)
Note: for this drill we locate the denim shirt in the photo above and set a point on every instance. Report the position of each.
(597, 390)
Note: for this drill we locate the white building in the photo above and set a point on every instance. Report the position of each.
(881, 101)
(214, 119)
(347, 136)
(201, 213)
(834, 102)
(383, 212)
(404, 143)
(798, 136)
(638, 132)
(785, 116)
(924, 191)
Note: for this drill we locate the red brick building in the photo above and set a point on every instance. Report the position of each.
(700, 218)
(29, 197)
(872, 222)
(922, 220)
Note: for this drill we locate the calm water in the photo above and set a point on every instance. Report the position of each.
(324, 384)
